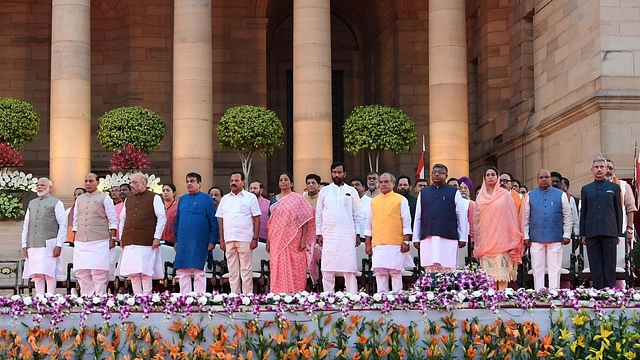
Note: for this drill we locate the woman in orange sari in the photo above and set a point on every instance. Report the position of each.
(498, 239)
(291, 234)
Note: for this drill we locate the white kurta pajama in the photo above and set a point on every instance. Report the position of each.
(139, 259)
(338, 220)
(436, 249)
(41, 260)
(91, 258)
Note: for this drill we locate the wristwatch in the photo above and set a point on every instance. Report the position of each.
(629, 231)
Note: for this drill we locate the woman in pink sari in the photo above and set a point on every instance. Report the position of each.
(498, 239)
(290, 238)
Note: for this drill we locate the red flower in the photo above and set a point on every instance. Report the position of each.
(10, 157)
(129, 157)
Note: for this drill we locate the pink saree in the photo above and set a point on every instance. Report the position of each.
(498, 237)
(288, 264)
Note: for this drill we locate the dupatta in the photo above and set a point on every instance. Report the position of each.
(497, 225)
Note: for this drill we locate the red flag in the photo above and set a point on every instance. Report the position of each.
(420, 170)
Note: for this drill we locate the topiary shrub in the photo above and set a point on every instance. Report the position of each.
(19, 122)
(134, 125)
(377, 128)
(250, 130)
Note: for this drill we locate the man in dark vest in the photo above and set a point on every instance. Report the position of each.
(601, 224)
(441, 225)
(142, 222)
(43, 234)
(547, 227)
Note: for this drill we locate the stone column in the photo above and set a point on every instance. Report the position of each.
(70, 109)
(192, 92)
(448, 113)
(312, 140)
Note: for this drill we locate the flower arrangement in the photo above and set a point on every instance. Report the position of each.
(116, 179)
(572, 335)
(12, 182)
(129, 157)
(9, 157)
(130, 147)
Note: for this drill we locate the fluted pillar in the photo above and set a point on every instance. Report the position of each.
(192, 92)
(70, 109)
(448, 109)
(312, 140)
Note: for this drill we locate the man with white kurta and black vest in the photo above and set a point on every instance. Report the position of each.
(142, 222)
(43, 234)
(441, 225)
(388, 232)
(94, 226)
(547, 227)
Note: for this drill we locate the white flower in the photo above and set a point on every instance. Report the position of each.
(321, 304)
(340, 294)
(476, 294)
(331, 300)
(311, 298)
(110, 303)
(412, 298)
(356, 297)
(155, 298)
(377, 297)
(276, 297)
(430, 296)
(120, 297)
(79, 301)
(491, 292)
(461, 296)
(131, 301)
(636, 297)
(27, 300)
(96, 300)
(345, 300)
(217, 298)
(391, 297)
(288, 299)
(202, 300)
(553, 293)
(15, 297)
(246, 300)
(189, 300)
(61, 300)
(509, 292)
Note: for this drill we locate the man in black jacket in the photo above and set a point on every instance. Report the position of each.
(601, 224)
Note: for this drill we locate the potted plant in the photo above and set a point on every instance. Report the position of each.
(131, 132)
(377, 128)
(19, 124)
(250, 130)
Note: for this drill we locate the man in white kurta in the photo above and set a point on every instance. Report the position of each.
(94, 227)
(338, 221)
(43, 234)
(441, 225)
(388, 232)
(142, 222)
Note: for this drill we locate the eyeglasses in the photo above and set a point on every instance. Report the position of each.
(544, 177)
(438, 173)
(504, 181)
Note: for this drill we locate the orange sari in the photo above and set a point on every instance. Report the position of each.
(287, 264)
(498, 238)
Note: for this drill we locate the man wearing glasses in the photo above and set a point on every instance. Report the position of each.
(506, 182)
(441, 225)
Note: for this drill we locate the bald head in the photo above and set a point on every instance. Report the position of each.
(138, 183)
(544, 179)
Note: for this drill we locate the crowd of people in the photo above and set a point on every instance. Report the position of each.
(325, 225)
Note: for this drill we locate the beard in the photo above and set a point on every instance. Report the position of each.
(403, 192)
(43, 193)
(337, 180)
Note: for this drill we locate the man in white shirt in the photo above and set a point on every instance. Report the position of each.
(338, 225)
(239, 219)
(94, 227)
(43, 234)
